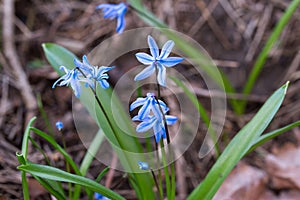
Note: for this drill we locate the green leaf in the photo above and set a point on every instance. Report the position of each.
(25, 189)
(268, 136)
(58, 56)
(57, 147)
(52, 187)
(26, 138)
(125, 145)
(239, 145)
(52, 173)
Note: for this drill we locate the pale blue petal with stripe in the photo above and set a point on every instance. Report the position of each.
(153, 47)
(144, 58)
(161, 76)
(146, 125)
(166, 50)
(171, 119)
(138, 102)
(145, 73)
(171, 61)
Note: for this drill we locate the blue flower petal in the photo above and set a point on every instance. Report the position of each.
(144, 58)
(161, 77)
(145, 73)
(136, 118)
(171, 119)
(121, 23)
(158, 131)
(103, 83)
(171, 61)
(166, 50)
(146, 125)
(145, 110)
(153, 47)
(138, 102)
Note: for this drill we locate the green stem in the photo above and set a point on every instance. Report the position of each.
(267, 48)
(166, 171)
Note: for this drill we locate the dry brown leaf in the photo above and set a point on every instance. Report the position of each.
(284, 167)
(244, 182)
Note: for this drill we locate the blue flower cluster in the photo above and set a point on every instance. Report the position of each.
(83, 72)
(115, 11)
(152, 115)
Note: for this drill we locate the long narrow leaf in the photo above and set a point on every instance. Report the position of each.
(52, 173)
(239, 145)
(268, 136)
(58, 148)
(127, 147)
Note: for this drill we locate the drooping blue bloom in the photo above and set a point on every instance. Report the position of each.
(113, 11)
(70, 78)
(157, 61)
(98, 196)
(157, 124)
(143, 165)
(59, 125)
(149, 104)
(93, 73)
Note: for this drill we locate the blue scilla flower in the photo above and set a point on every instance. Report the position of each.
(149, 104)
(98, 196)
(143, 165)
(59, 125)
(157, 61)
(157, 124)
(93, 73)
(113, 11)
(72, 78)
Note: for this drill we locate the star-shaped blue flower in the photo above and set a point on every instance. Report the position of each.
(149, 104)
(157, 124)
(157, 61)
(59, 125)
(113, 11)
(98, 196)
(143, 165)
(93, 73)
(70, 78)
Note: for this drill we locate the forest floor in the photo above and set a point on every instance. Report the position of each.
(233, 32)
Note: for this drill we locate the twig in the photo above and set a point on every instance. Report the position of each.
(219, 33)
(262, 25)
(241, 25)
(13, 59)
(206, 14)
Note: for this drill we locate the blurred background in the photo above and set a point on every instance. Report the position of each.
(233, 32)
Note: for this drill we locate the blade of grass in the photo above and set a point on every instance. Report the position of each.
(102, 173)
(52, 173)
(238, 146)
(57, 147)
(25, 189)
(88, 158)
(26, 138)
(268, 136)
(44, 115)
(266, 50)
